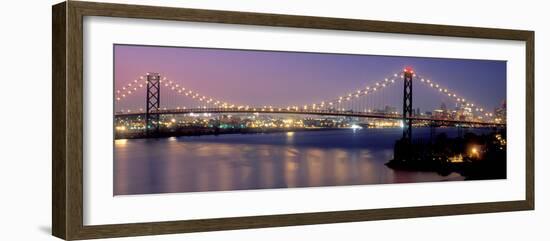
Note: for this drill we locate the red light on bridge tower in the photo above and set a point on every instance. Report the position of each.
(408, 69)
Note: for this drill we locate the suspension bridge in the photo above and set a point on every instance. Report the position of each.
(364, 102)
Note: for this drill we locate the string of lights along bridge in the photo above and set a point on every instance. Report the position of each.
(168, 96)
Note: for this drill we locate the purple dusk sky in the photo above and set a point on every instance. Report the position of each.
(293, 78)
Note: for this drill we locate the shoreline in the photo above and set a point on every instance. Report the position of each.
(475, 157)
(210, 132)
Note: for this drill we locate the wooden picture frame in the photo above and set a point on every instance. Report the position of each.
(67, 152)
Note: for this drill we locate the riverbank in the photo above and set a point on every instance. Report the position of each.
(214, 131)
(475, 157)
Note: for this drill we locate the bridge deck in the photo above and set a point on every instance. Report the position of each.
(303, 112)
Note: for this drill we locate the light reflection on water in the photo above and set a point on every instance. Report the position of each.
(258, 161)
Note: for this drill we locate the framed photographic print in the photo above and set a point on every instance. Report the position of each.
(171, 120)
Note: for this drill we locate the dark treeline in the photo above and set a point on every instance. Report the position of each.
(476, 157)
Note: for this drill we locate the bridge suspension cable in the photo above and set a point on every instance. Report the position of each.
(454, 96)
(358, 100)
(132, 87)
(338, 102)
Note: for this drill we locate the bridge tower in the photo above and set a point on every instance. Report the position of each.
(408, 74)
(152, 117)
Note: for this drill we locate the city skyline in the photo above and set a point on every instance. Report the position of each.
(240, 119)
(286, 78)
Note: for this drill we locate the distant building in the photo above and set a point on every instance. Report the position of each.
(443, 107)
(438, 114)
(390, 110)
(442, 113)
(500, 112)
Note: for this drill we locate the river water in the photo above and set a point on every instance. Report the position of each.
(258, 161)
